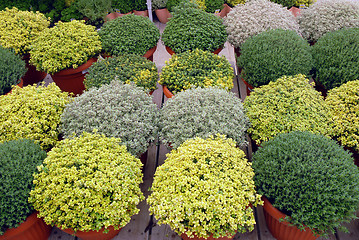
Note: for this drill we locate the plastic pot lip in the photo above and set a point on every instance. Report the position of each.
(80, 68)
(167, 92)
(274, 212)
(26, 224)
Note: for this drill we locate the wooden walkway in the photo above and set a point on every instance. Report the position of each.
(143, 226)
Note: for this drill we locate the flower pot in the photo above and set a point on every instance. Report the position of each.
(163, 15)
(141, 13)
(149, 53)
(185, 237)
(283, 230)
(33, 228)
(295, 11)
(167, 92)
(170, 51)
(71, 80)
(249, 88)
(114, 15)
(94, 235)
(225, 10)
(32, 75)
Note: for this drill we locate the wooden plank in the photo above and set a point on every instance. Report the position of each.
(57, 234)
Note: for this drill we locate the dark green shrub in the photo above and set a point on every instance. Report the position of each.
(129, 34)
(94, 10)
(171, 4)
(125, 68)
(19, 4)
(140, 5)
(212, 5)
(310, 178)
(192, 28)
(12, 68)
(273, 54)
(285, 3)
(18, 162)
(336, 57)
(71, 13)
(124, 6)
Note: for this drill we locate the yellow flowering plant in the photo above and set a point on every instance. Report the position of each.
(66, 45)
(18, 29)
(196, 68)
(88, 183)
(205, 188)
(343, 102)
(32, 112)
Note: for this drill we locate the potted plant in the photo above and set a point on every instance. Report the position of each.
(273, 54)
(345, 113)
(328, 16)
(12, 68)
(65, 51)
(19, 160)
(123, 6)
(130, 34)
(162, 13)
(32, 112)
(254, 17)
(140, 8)
(94, 10)
(125, 68)
(290, 103)
(88, 186)
(18, 30)
(192, 28)
(205, 190)
(195, 68)
(309, 181)
(336, 60)
(116, 110)
(182, 117)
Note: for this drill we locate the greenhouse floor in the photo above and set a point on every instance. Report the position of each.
(143, 226)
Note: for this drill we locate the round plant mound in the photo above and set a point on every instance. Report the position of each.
(192, 28)
(18, 29)
(310, 178)
(12, 68)
(125, 68)
(205, 187)
(196, 68)
(66, 45)
(158, 4)
(257, 16)
(18, 160)
(288, 104)
(123, 6)
(129, 34)
(273, 54)
(343, 102)
(328, 16)
(202, 112)
(88, 183)
(117, 110)
(336, 58)
(32, 112)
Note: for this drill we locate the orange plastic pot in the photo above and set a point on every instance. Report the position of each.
(163, 15)
(115, 15)
(72, 80)
(33, 228)
(170, 51)
(141, 13)
(32, 75)
(94, 235)
(185, 237)
(249, 88)
(225, 10)
(167, 92)
(295, 11)
(282, 230)
(149, 53)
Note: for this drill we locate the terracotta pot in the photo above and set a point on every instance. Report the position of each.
(167, 92)
(283, 230)
(115, 15)
(94, 235)
(185, 237)
(32, 228)
(149, 53)
(32, 75)
(20, 84)
(295, 11)
(141, 13)
(225, 10)
(72, 80)
(163, 15)
(170, 51)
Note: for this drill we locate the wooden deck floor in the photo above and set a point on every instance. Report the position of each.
(143, 226)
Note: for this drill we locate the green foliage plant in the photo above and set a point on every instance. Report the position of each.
(212, 5)
(88, 183)
(285, 3)
(18, 29)
(328, 16)
(12, 68)
(24, 5)
(257, 16)
(123, 6)
(336, 57)
(310, 178)
(343, 102)
(172, 4)
(273, 54)
(95, 10)
(71, 13)
(192, 28)
(32, 112)
(125, 68)
(201, 112)
(139, 5)
(118, 110)
(158, 4)
(306, 3)
(18, 161)
(288, 104)
(233, 3)
(66, 45)
(129, 34)
(205, 187)
(196, 68)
